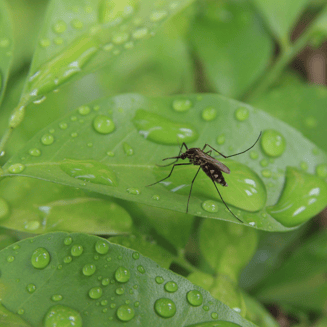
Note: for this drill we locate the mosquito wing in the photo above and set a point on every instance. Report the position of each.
(218, 164)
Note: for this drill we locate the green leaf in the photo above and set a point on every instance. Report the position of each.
(229, 252)
(78, 38)
(122, 163)
(301, 281)
(36, 206)
(6, 46)
(9, 319)
(99, 283)
(301, 106)
(146, 247)
(233, 47)
(281, 16)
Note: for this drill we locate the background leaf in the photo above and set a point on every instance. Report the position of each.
(122, 283)
(127, 159)
(231, 44)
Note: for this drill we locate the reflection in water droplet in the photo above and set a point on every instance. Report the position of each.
(102, 246)
(242, 113)
(40, 258)
(209, 114)
(165, 308)
(181, 105)
(304, 195)
(61, 315)
(30, 288)
(103, 124)
(125, 313)
(273, 143)
(210, 206)
(162, 130)
(194, 298)
(16, 168)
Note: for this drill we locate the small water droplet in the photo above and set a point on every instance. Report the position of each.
(56, 297)
(47, 139)
(321, 170)
(105, 281)
(209, 114)
(133, 191)
(59, 27)
(102, 246)
(135, 255)
(76, 23)
(128, 149)
(89, 269)
(31, 288)
(264, 163)
(205, 308)
(20, 311)
(34, 152)
(182, 105)
(95, 292)
(125, 313)
(63, 125)
(68, 240)
(156, 197)
(242, 113)
(74, 134)
(159, 280)
(210, 206)
(32, 225)
(84, 110)
(16, 168)
(10, 258)
(76, 250)
(122, 275)
(165, 308)
(61, 315)
(171, 287)
(68, 259)
(44, 43)
(103, 124)
(273, 143)
(194, 298)
(266, 173)
(140, 33)
(40, 258)
(214, 315)
(120, 291)
(157, 16)
(221, 139)
(254, 155)
(141, 269)
(120, 38)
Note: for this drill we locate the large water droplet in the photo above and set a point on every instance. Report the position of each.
(76, 250)
(89, 269)
(162, 130)
(194, 298)
(103, 124)
(47, 139)
(4, 208)
(210, 206)
(165, 308)
(95, 292)
(273, 143)
(59, 27)
(209, 114)
(40, 258)
(102, 247)
(16, 168)
(62, 316)
(303, 197)
(242, 113)
(89, 171)
(122, 275)
(125, 313)
(171, 287)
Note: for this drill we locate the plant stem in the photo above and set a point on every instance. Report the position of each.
(276, 70)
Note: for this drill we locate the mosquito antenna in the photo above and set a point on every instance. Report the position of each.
(226, 204)
(236, 154)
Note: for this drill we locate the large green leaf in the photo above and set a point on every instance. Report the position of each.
(301, 281)
(36, 206)
(76, 277)
(112, 145)
(233, 47)
(281, 16)
(6, 46)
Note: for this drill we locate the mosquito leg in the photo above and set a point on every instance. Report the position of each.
(213, 149)
(225, 203)
(188, 200)
(181, 164)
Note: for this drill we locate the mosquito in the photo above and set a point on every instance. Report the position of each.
(211, 166)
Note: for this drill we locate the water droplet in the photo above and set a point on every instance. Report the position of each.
(16, 168)
(140, 33)
(76, 23)
(31, 288)
(89, 269)
(74, 134)
(47, 139)
(10, 258)
(40, 258)
(162, 130)
(141, 269)
(102, 246)
(120, 291)
(76, 250)
(210, 206)
(120, 38)
(159, 280)
(110, 154)
(128, 149)
(242, 113)
(89, 171)
(135, 255)
(182, 105)
(84, 110)
(254, 155)
(171, 287)
(205, 308)
(133, 191)
(273, 143)
(125, 313)
(105, 281)
(4, 208)
(264, 163)
(156, 197)
(122, 275)
(266, 173)
(304, 195)
(32, 225)
(44, 43)
(4, 43)
(61, 316)
(165, 308)
(68, 259)
(20, 311)
(34, 152)
(220, 139)
(209, 114)
(58, 40)
(59, 27)
(321, 170)
(214, 315)
(157, 16)
(56, 297)
(95, 292)
(68, 240)
(63, 125)
(103, 124)
(194, 298)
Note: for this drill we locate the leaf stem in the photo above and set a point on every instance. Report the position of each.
(275, 70)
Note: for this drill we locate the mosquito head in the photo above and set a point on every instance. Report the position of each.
(183, 156)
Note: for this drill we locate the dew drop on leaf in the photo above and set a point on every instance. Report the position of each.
(321, 170)
(32, 225)
(16, 168)
(89, 269)
(102, 247)
(221, 139)
(165, 308)
(156, 197)
(125, 313)
(95, 292)
(120, 38)
(133, 191)
(40, 258)
(44, 43)
(140, 33)
(84, 110)
(4, 208)
(68, 259)
(63, 125)
(266, 173)
(59, 27)
(157, 16)
(103, 124)
(61, 315)
(159, 280)
(182, 105)
(68, 240)
(194, 298)
(141, 269)
(128, 149)
(171, 287)
(76, 250)
(35, 152)
(56, 297)
(47, 139)
(209, 114)
(10, 258)
(214, 315)
(105, 281)
(77, 24)
(273, 143)
(31, 288)
(120, 291)
(135, 255)
(122, 275)
(242, 114)
(210, 206)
